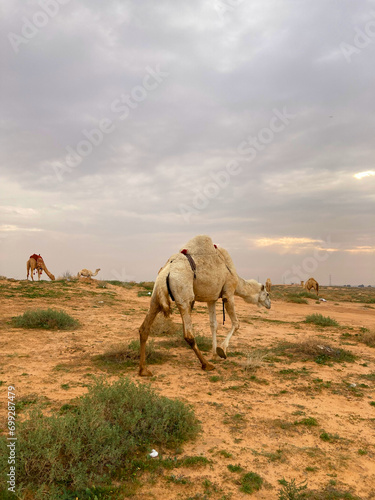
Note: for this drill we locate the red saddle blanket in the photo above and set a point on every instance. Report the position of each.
(35, 256)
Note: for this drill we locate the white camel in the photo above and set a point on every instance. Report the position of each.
(204, 273)
(86, 273)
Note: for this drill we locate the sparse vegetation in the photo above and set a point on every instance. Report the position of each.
(48, 319)
(274, 365)
(320, 320)
(314, 349)
(235, 468)
(250, 482)
(368, 337)
(297, 298)
(254, 360)
(121, 356)
(326, 436)
(165, 326)
(111, 425)
(290, 490)
(308, 421)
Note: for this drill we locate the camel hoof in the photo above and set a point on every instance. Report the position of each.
(220, 351)
(208, 367)
(144, 372)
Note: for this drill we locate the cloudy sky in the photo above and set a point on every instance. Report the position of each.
(130, 126)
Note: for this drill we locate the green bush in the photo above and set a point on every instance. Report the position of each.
(250, 482)
(49, 319)
(109, 426)
(309, 421)
(320, 320)
(296, 298)
(291, 490)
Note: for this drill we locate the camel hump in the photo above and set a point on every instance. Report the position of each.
(227, 259)
(200, 244)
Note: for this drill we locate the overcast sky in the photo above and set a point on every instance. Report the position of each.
(129, 127)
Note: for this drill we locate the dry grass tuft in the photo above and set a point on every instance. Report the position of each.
(119, 356)
(314, 348)
(254, 360)
(368, 338)
(165, 326)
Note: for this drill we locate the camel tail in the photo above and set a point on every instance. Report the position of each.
(317, 288)
(163, 297)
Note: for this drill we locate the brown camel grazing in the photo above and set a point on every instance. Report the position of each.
(311, 283)
(36, 264)
(268, 285)
(204, 273)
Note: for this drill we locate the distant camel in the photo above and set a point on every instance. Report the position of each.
(268, 285)
(312, 283)
(204, 273)
(302, 284)
(86, 273)
(36, 264)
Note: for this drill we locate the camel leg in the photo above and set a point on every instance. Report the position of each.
(144, 332)
(213, 326)
(189, 337)
(28, 269)
(229, 306)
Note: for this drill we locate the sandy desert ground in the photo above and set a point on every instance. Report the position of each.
(257, 409)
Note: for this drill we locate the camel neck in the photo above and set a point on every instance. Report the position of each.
(247, 291)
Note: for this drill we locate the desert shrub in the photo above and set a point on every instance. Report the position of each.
(292, 491)
(109, 427)
(309, 421)
(314, 349)
(67, 276)
(368, 337)
(254, 360)
(250, 482)
(326, 436)
(320, 320)
(296, 298)
(165, 326)
(49, 319)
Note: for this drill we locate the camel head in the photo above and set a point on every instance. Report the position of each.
(264, 298)
(97, 270)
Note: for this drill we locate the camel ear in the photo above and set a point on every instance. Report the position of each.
(262, 287)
